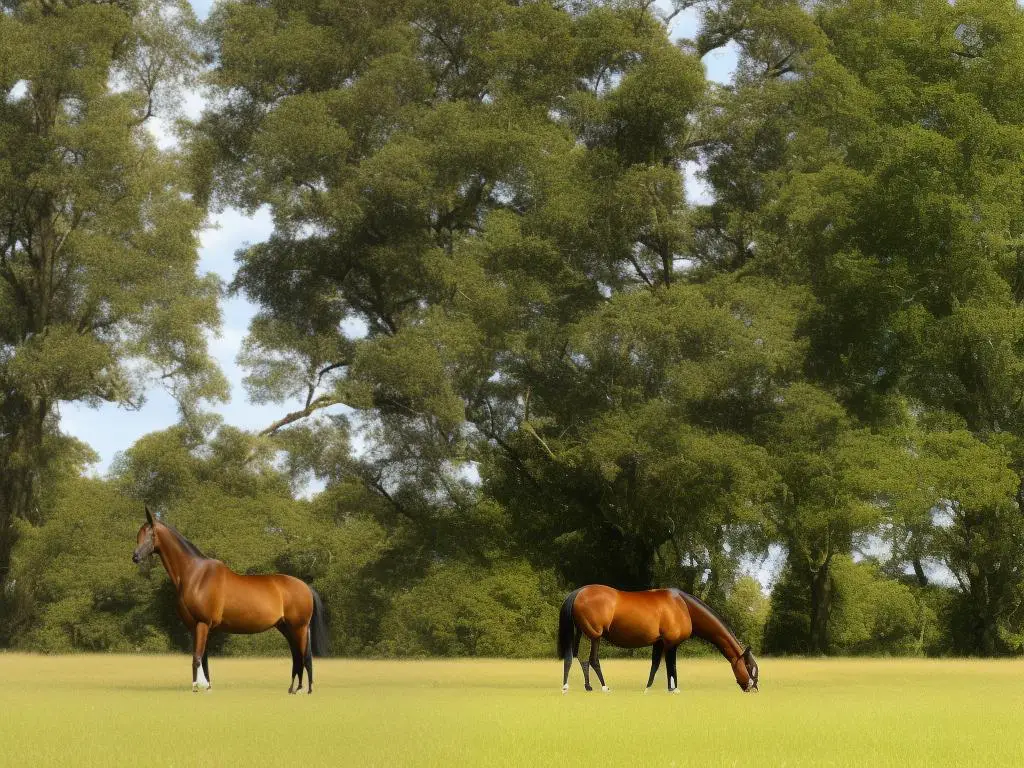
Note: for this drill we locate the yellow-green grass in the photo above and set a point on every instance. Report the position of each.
(139, 710)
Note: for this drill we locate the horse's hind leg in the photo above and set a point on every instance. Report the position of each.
(206, 669)
(308, 658)
(303, 654)
(584, 665)
(670, 669)
(566, 666)
(656, 652)
(595, 662)
(586, 675)
(296, 682)
(285, 630)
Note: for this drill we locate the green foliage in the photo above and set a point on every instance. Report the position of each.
(870, 614)
(505, 610)
(570, 372)
(746, 612)
(450, 188)
(650, 389)
(873, 614)
(84, 591)
(98, 286)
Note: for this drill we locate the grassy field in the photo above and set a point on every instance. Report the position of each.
(129, 710)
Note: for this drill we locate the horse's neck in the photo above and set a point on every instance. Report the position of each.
(177, 562)
(709, 627)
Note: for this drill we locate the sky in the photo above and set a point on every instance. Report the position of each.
(110, 429)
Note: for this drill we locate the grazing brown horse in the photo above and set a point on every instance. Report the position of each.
(213, 597)
(661, 618)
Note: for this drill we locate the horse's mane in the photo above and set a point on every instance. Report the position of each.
(710, 610)
(187, 545)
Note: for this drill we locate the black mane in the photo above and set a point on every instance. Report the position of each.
(710, 610)
(187, 545)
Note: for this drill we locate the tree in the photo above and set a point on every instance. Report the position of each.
(879, 166)
(746, 612)
(98, 246)
(74, 574)
(828, 470)
(957, 507)
(469, 179)
(870, 613)
(504, 610)
(650, 467)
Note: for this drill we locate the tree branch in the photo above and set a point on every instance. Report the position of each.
(639, 271)
(324, 401)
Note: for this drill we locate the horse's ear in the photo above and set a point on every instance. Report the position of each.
(149, 516)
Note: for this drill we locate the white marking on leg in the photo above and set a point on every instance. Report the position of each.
(565, 688)
(671, 683)
(201, 681)
(606, 689)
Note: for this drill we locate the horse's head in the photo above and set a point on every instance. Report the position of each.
(745, 668)
(146, 543)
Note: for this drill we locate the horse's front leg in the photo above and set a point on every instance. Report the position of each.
(200, 634)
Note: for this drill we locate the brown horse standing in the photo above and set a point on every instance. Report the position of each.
(213, 597)
(661, 618)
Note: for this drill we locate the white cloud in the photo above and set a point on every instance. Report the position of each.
(697, 190)
(17, 93)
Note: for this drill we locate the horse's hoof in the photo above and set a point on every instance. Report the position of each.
(675, 690)
(587, 688)
(565, 688)
(606, 689)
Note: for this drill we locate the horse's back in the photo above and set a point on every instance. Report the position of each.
(632, 619)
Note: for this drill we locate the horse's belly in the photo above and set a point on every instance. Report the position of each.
(248, 616)
(631, 635)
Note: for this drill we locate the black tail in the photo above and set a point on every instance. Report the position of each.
(566, 625)
(319, 639)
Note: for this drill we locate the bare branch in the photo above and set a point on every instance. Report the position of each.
(639, 271)
(324, 401)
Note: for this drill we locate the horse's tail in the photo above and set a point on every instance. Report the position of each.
(319, 639)
(566, 625)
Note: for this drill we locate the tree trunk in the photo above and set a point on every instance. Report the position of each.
(821, 608)
(988, 637)
(20, 464)
(922, 577)
(986, 627)
(18, 489)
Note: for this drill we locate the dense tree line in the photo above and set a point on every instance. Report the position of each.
(565, 370)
